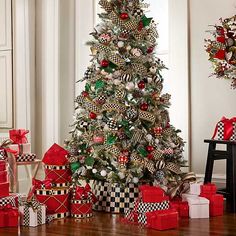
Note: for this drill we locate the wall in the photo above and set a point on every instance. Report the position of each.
(211, 98)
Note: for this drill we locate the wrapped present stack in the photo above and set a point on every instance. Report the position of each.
(54, 191)
(152, 209)
(82, 202)
(21, 146)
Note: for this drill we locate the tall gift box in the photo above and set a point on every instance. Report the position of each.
(9, 216)
(56, 165)
(32, 213)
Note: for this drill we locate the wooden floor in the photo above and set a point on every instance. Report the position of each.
(104, 224)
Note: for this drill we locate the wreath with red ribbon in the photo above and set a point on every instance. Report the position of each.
(222, 49)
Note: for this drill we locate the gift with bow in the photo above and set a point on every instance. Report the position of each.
(8, 216)
(225, 129)
(83, 193)
(5, 148)
(18, 136)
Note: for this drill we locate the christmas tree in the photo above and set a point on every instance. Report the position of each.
(121, 131)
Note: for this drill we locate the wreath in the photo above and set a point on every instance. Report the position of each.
(222, 49)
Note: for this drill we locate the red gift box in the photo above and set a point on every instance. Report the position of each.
(3, 176)
(208, 189)
(18, 136)
(151, 193)
(2, 165)
(181, 207)
(216, 204)
(131, 216)
(9, 216)
(56, 199)
(81, 208)
(82, 193)
(4, 187)
(58, 174)
(162, 220)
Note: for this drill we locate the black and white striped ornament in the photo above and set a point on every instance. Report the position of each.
(137, 12)
(131, 113)
(126, 77)
(160, 164)
(112, 124)
(156, 79)
(88, 73)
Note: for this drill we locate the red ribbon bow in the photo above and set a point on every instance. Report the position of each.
(228, 127)
(18, 136)
(83, 193)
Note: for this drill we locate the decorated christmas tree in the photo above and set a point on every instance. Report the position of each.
(122, 132)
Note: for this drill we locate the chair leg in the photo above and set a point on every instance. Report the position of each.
(210, 163)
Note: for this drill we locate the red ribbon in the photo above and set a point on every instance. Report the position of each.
(228, 127)
(18, 136)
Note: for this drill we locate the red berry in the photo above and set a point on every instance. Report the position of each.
(150, 50)
(150, 148)
(150, 156)
(92, 115)
(104, 63)
(144, 106)
(85, 94)
(141, 85)
(124, 16)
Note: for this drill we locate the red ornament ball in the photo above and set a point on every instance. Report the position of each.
(124, 16)
(150, 148)
(150, 50)
(104, 63)
(141, 84)
(144, 106)
(150, 156)
(123, 159)
(85, 94)
(92, 115)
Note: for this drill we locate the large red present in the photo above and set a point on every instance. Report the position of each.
(57, 200)
(4, 187)
(2, 165)
(216, 204)
(3, 176)
(162, 220)
(56, 165)
(151, 193)
(181, 207)
(18, 136)
(208, 189)
(81, 208)
(9, 216)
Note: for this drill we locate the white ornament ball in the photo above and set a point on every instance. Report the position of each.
(149, 137)
(120, 44)
(157, 141)
(94, 171)
(153, 69)
(135, 180)
(121, 175)
(128, 48)
(130, 86)
(103, 173)
(136, 52)
(116, 82)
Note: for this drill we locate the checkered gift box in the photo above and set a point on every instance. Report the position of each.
(25, 157)
(144, 207)
(113, 197)
(11, 200)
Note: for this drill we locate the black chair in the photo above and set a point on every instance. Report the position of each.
(230, 156)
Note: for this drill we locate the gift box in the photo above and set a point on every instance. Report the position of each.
(26, 157)
(114, 198)
(151, 194)
(216, 204)
(208, 189)
(32, 214)
(4, 187)
(131, 216)
(3, 176)
(162, 220)
(18, 136)
(24, 148)
(81, 208)
(144, 207)
(225, 129)
(9, 216)
(12, 200)
(57, 200)
(195, 188)
(198, 207)
(181, 207)
(2, 165)
(83, 193)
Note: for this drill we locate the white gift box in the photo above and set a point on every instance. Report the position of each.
(24, 148)
(195, 188)
(185, 196)
(198, 207)
(31, 217)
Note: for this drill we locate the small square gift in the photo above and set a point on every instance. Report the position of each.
(195, 188)
(198, 207)
(151, 193)
(56, 165)
(181, 207)
(208, 189)
(225, 129)
(4, 187)
(33, 213)
(9, 216)
(162, 220)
